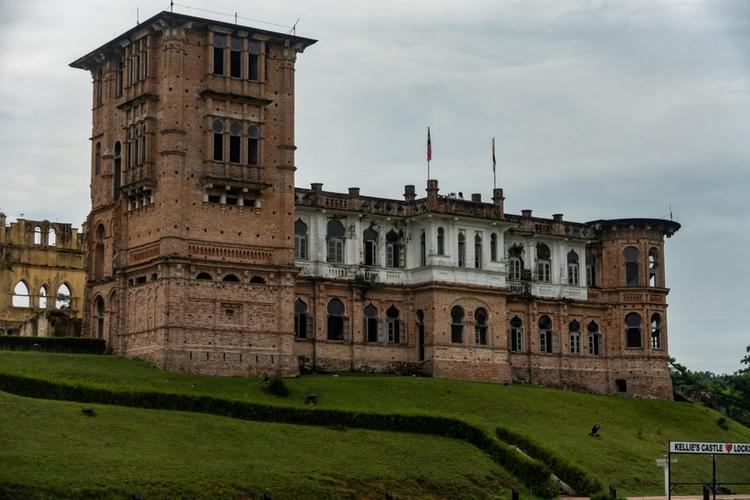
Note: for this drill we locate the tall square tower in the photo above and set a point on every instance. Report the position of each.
(190, 247)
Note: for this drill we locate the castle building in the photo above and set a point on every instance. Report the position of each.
(202, 255)
(41, 278)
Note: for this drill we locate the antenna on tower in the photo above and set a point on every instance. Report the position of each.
(235, 18)
(137, 16)
(171, 5)
(293, 31)
(670, 211)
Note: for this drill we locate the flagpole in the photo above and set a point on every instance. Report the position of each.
(494, 173)
(429, 152)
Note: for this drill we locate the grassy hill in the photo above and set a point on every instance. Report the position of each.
(634, 432)
(51, 449)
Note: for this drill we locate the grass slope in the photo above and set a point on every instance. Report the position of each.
(634, 432)
(50, 448)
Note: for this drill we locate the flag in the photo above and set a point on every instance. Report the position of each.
(493, 154)
(429, 145)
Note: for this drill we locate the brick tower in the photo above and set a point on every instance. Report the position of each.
(190, 250)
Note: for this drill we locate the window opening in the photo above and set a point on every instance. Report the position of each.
(335, 320)
(394, 325)
(422, 249)
(656, 331)
(98, 159)
(545, 334)
(63, 298)
(51, 237)
(370, 239)
(633, 329)
(300, 239)
(590, 268)
(440, 241)
(37, 235)
(204, 276)
(335, 235)
(574, 329)
(516, 334)
(253, 53)
(653, 267)
(21, 295)
(393, 249)
(219, 43)
(478, 251)
(493, 247)
(595, 339)
(99, 252)
(99, 316)
(235, 142)
(231, 278)
(235, 59)
(371, 323)
(457, 325)
(573, 276)
(218, 128)
(253, 145)
(515, 262)
(632, 266)
(480, 326)
(43, 297)
(543, 263)
(461, 250)
(300, 320)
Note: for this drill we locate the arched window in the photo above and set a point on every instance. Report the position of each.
(656, 331)
(258, 280)
(422, 249)
(371, 324)
(595, 339)
(574, 330)
(440, 241)
(480, 326)
(218, 140)
(99, 252)
(21, 295)
(98, 159)
(393, 249)
(457, 325)
(370, 240)
(99, 317)
(253, 144)
(632, 266)
(543, 263)
(336, 320)
(653, 267)
(43, 297)
(394, 325)
(204, 276)
(63, 297)
(117, 171)
(37, 235)
(633, 330)
(300, 240)
(590, 268)
(516, 334)
(302, 326)
(461, 250)
(478, 251)
(573, 275)
(515, 262)
(51, 237)
(493, 247)
(545, 334)
(231, 278)
(335, 234)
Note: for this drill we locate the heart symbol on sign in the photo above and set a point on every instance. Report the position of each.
(728, 447)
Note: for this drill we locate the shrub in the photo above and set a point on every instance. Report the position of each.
(72, 345)
(576, 478)
(534, 474)
(276, 387)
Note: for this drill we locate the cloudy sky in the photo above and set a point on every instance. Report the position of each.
(600, 110)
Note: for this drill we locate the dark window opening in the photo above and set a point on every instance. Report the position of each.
(480, 326)
(461, 250)
(632, 266)
(516, 334)
(371, 324)
(371, 247)
(219, 54)
(247, 202)
(545, 334)
(493, 247)
(478, 251)
(393, 249)
(218, 128)
(214, 198)
(301, 327)
(633, 324)
(140, 280)
(622, 385)
(253, 138)
(258, 280)
(253, 61)
(235, 63)
(394, 325)
(204, 276)
(656, 331)
(231, 278)
(422, 249)
(441, 241)
(457, 325)
(300, 239)
(235, 142)
(335, 320)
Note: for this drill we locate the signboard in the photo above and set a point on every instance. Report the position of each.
(708, 448)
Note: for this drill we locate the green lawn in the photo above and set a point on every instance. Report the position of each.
(50, 449)
(634, 432)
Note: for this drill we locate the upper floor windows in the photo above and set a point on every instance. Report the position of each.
(136, 56)
(335, 236)
(229, 194)
(493, 247)
(590, 268)
(37, 235)
(632, 257)
(21, 295)
(440, 241)
(461, 250)
(394, 254)
(370, 241)
(515, 262)
(240, 66)
(573, 275)
(422, 249)
(228, 146)
(136, 145)
(478, 251)
(300, 240)
(457, 325)
(633, 330)
(653, 267)
(51, 237)
(543, 263)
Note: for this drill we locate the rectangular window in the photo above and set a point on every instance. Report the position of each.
(480, 335)
(214, 198)
(248, 202)
(457, 333)
(514, 271)
(370, 253)
(218, 147)
(572, 274)
(631, 274)
(575, 343)
(545, 341)
(218, 60)
(590, 275)
(252, 151)
(143, 148)
(516, 336)
(594, 344)
(235, 64)
(145, 64)
(394, 336)
(543, 271)
(252, 65)
(300, 246)
(137, 154)
(234, 148)
(335, 250)
(391, 255)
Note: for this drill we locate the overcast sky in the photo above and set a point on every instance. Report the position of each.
(600, 110)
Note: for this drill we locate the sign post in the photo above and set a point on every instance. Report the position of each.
(700, 448)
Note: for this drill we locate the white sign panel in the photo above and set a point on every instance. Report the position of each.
(706, 448)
